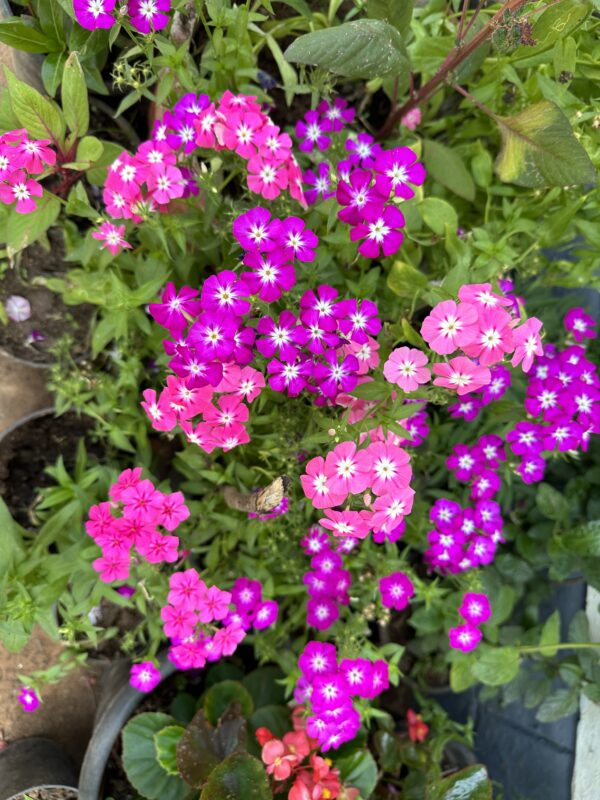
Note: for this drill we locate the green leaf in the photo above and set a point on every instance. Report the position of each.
(539, 148)
(52, 70)
(551, 502)
(97, 174)
(551, 632)
(23, 229)
(461, 671)
(203, 747)
(397, 12)
(358, 770)
(559, 704)
(220, 696)
(404, 280)
(239, 777)
(446, 167)
(89, 149)
(365, 48)
(371, 390)
(165, 742)
(275, 718)
(437, 214)
(262, 686)
(75, 97)
(497, 665)
(471, 783)
(78, 204)
(11, 539)
(42, 117)
(287, 72)
(554, 24)
(14, 32)
(583, 540)
(140, 759)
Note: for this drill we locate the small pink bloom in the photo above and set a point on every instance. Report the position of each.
(389, 465)
(406, 368)
(317, 485)
(464, 637)
(481, 294)
(412, 119)
(348, 471)
(179, 621)
(278, 759)
(18, 309)
(20, 189)
(461, 374)
(346, 524)
(450, 326)
(475, 608)
(144, 677)
(494, 337)
(213, 604)
(92, 14)
(112, 237)
(29, 699)
(113, 566)
(528, 343)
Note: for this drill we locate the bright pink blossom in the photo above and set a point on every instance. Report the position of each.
(406, 368)
(462, 375)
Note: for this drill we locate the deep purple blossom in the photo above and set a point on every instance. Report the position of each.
(311, 131)
(395, 170)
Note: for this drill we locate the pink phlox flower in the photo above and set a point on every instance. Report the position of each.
(494, 337)
(396, 590)
(318, 486)
(113, 566)
(92, 14)
(390, 509)
(345, 524)
(271, 274)
(144, 677)
(412, 119)
(21, 190)
(294, 239)
(267, 177)
(357, 195)
(273, 145)
(347, 469)
(112, 237)
(100, 519)
(186, 589)
(237, 131)
(390, 469)
(213, 604)
(253, 229)
(149, 15)
(464, 637)
(34, 155)
(395, 170)
(204, 124)
(406, 368)
(462, 375)
(228, 638)
(157, 548)
(380, 231)
(179, 621)
(165, 183)
(450, 326)
(142, 501)
(338, 113)
(172, 511)
(481, 294)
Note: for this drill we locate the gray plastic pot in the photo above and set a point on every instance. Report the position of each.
(118, 701)
(35, 763)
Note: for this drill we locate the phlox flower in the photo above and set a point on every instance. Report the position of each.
(155, 155)
(227, 639)
(311, 130)
(315, 541)
(493, 339)
(267, 177)
(481, 294)
(213, 604)
(237, 131)
(265, 614)
(461, 374)
(444, 512)
(282, 338)
(395, 170)
(232, 436)
(141, 501)
(486, 485)
(321, 613)
(112, 566)
(406, 368)
(100, 520)
(475, 608)
(92, 14)
(396, 590)
(21, 190)
(149, 15)
(246, 594)
(380, 231)
(358, 675)
(321, 181)
(144, 677)
(333, 377)
(358, 319)
(230, 411)
(389, 465)
(489, 451)
(179, 621)
(464, 637)
(317, 658)
(204, 124)
(527, 342)
(365, 353)
(157, 549)
(213, 335)
(462, 462)
(348, 470)
(165, 183)
(181, 134)
(562, 436)
(112, 237)
(185, 589)
(329, 692)
(544, 398)
(498, 385)
(323, 303)
(271, 274)
(390, 509)
(338, 113)
(580, 324)
(273, 145)
(29, 699)
(294, 238)
(176, 308)
(126, 480)
(450, 326)
(356, 195)
(345, 523)
(172, 510)
(289, 376)
(363, 150)
(532, 468)
(34, 155)
(253, 229)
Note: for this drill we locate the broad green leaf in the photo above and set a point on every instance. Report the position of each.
(220, 696)
(437, 214)
(14, 32)
(97, 174)
(559, 704)
(42, 117)
(555, 23)
(404, 280)
(165, 742)
(397, 12)
(551, 502)
(75, 97)
(89, 149)
(372, 390)
(584, 540)
(78, 203)
(23, 229)
(52, 70)
(366, 48)
(496, 666)
(539, 148)
(358, 770)
(140, 759)
(445, 166)
(263, 688)
(471, 783)
(461, 672)
(239, 777)
(551, 632)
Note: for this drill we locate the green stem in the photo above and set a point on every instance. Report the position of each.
(541, 648)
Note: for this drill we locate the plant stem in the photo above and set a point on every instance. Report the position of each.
(540, 648)
(453, 60)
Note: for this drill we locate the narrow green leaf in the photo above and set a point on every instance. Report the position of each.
(52, 70)
(14, 32)
(539, 148)
(366, 48)
(75, 97)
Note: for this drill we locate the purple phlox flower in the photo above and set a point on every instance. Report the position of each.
(225, 293)
(443, 513)
(321, 613)
(319, 338)
(488, 516)
(356, 195)
(213, 335)
(311, 130)
(149, 15)
(198, 370)
(525, 438)
(176, 309)
(294, 238)
(543, 397)
(191, 103)
(380, 231)
(464, 637)
(580, 324)
(395, 170)
(290, 376)
(489, 451)
(324, 303)
(321, 182)
(315, 541)
(338, 113)
(475, 608)
(532, 468)
(562, 435)
(485, 485)
(144, 677)
(468, 408)
(359, 320)
(498, 385)
(283, 337)
(363, 150)
(462, 462)
(333, 377)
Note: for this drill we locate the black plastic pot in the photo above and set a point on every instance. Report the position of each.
(35, 763)
(118, 701)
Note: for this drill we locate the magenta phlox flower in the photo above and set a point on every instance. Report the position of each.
(488, 516)
(111, 237)
(462, 462)
(338, 113)
(359, 319)
(356, 195)
(265, 614)
(532, 468)
(579, 324)
(363, 150)
(486, 484)
(489, 451)
(92, 14)
(283, 337)
(29, 699)
(165, 183)
(444, 512)
(321, 613)
(271, 274)
(462, 375)
(21, 190)
(395, 170)
(544, 398)
(526, 438)
(499, 383)
(321, 181)
(225, 293)
(213, 604)
(290, 376)
(213, 335)
(380, 231)
(475, 608)
(33, 155)
(396, 590)
(450, 326)
(318, 658)
(562, 436)
(406, 368)
(333, 376)
(464, 637)
(468, 408)
(481, 294)
(176, 308)
(149, 15)
(253, 229)
(358, 673)
(323, 302)
(294, 239)
(311, 130)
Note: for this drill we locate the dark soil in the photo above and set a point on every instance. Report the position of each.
(27, 451)
(49, 794)
(49, 315)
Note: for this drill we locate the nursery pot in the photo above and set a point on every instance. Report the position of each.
(118, 701)
(35, 763)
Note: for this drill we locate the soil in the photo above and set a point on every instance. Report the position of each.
(49, 794)
(23, 461)
(49, 315)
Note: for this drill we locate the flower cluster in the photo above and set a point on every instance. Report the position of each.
(327, 582)
(298, 769)
(478, 465)
(484, 327)
(312, 129)
(145, 16)
(463, 539)
(194, 610)
(143, 509)
(20, 158)
(475, 609)
(383, 467)
(329, 686)
(470, 404)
